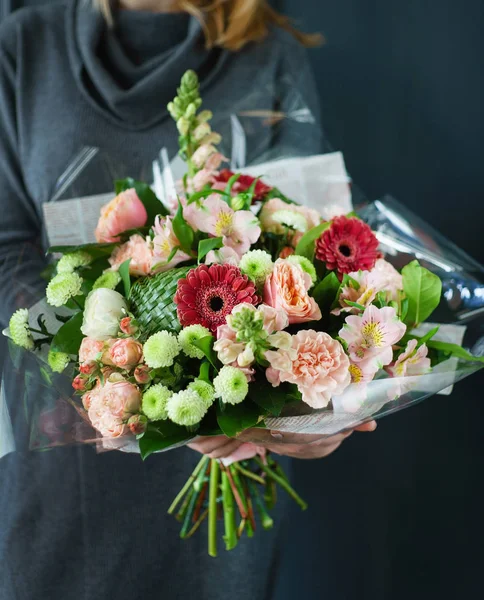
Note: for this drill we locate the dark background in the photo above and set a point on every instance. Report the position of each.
(397, 514)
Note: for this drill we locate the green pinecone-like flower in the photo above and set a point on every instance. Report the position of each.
(152, 301)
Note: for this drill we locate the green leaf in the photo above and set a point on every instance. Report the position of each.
(205, 194)
(307, 242)
(205, 246)
(230, 183)
(69, 337)
(423, 290)
(206, 346)
(161, 435)
(124, 272)
(325, 293)
(95, 250)
(233, 419)
(270, 399)
(182, 230)
(428, 336)
(355, 305)
(153, 205)
(454, 350)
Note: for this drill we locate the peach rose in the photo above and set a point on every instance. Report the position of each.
(316, 363)
(79, 383)
(128, 326)
(124, 212)
(287, 289)
(275, 204)
(89, 351)
(126, 353)
(138, 249)
(121, 398)
(142, 374)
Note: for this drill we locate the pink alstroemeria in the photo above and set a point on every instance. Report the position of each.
(413, 361)
(370, 336)
(164, 243)
(223, 256)
(239, 229)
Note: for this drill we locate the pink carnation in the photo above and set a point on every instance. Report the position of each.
(316, 363)
(124, 212)
(137, 248)
(286, 289)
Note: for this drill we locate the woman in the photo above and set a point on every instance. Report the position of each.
(76, 524)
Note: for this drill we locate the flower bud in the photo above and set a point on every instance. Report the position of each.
(88, 368)
(183, 125)
(128, 326)
(142, 374)
(204, 116)
(191, 110)
(201, 131)
(237, 202)
(137, 424)
(79, 384)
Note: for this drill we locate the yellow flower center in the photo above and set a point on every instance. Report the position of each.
(223, 225)
(356, 373)
(372, 334)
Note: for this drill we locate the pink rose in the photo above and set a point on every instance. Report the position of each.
(121, 398)
(124, 212)
(138, 249)
(126, 353)
(128, 326)
(89, 351)
(137, 424)
(274, 320)
(87, 369)
(316, 363)
(79, 383)
(276, 204)
(142, 374)
(287, 289)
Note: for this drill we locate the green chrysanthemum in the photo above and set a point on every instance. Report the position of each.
(58, 361)
(305, 264)
(69, 262)
(257, 265)
(154, 402)
(109, 280)
(62, 288)
(231, 385)
(161, 349)
(19, 329)
(247, 322)
(191, 334)
(186, 408)
(204, 390)
(291, 219)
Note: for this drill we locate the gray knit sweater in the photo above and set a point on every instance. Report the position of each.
(76, 524)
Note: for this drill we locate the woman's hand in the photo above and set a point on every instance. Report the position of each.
(295, 445)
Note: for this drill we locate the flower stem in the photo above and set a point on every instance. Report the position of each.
(184, 507)
(230, 537)
(266, 519)
(249, 474)
(212, 508)
(187, 485)
(245, 498)
(283, 483)
(238, 493)
(189, 514)
(197, 524)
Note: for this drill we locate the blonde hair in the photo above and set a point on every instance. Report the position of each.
(231, 24)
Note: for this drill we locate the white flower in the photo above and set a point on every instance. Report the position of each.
(161, 349)
(186, 408)
(69, 262)
(231, 385)
(104, 308)
(62, 288)
(291, 219)
(189, 335)
(19, 329)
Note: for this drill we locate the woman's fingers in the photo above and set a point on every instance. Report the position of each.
(370, 426)
(215, 447)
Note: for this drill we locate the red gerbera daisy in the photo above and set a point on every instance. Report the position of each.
(209, 293)
(243, 184)
(348, 245)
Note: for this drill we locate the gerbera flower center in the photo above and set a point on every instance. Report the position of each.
(345, 250)
(216, 303)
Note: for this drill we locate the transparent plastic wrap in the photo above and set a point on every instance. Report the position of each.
(273, 135)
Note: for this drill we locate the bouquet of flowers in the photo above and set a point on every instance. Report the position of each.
(232, 308)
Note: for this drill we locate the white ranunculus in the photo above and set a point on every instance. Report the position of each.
(104, 308)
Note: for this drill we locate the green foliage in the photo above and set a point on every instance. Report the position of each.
(160, 435)
(233, 419)
(326, 292)
(306, 244)
(454, 350)
(182, 230)
(271, 399)
(69, 337)
(205, 246)
(423, 290)
(95, 250)
(125, 277)
(206, 346)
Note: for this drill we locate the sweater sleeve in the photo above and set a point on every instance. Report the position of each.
(21, 255)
